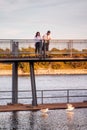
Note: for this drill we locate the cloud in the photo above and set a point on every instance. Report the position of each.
(7, 6)
(22, 17)
(9, 32)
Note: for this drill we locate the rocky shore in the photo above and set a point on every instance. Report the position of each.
(46, 72)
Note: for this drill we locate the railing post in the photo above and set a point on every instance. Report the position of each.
(33, 85)
(42, 96)
(15, 83)
(14, 48)
(70, 45)
(68, 96)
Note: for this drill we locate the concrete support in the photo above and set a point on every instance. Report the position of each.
(15, 83)
(33, 85)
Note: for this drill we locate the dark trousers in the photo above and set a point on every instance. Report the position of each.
(45, 48)
(38, 47)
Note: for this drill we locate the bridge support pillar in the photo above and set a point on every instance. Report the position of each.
(33, 85)
(15, 83)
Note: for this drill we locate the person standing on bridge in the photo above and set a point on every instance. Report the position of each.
(46, 39)
(38, 43)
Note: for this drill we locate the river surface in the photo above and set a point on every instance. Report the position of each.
(53, 119)
(44, 82)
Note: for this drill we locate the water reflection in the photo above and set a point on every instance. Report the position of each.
(54, 120)
(70, 121)
(32, 120)
(14, 121)
(44, 115)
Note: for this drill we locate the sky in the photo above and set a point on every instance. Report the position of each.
(21, 19)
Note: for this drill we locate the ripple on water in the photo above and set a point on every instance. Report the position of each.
(54, 120)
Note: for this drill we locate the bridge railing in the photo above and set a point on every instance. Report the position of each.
(26, 47)
(46, 96)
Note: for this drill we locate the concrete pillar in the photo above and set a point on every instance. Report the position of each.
(15, 83)
(33, 85)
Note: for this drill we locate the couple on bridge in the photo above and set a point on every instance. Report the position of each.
(42, 43)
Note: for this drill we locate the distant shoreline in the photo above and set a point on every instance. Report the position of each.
(46, 72)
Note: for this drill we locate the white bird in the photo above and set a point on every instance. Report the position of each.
(44, 110)
(70, 107)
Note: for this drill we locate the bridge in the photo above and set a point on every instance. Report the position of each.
(14, 51)
(24, 50)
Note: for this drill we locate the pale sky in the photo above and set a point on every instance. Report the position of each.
(66, 19)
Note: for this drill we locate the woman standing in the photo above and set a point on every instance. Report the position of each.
(38, 43)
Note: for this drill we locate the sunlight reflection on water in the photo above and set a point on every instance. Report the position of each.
(55, 120)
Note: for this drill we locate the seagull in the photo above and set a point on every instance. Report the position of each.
(70, 107)
(44, 110)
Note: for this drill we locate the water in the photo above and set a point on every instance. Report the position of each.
(46, 82)
(54, 119)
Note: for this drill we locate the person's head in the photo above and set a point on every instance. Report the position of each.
(48, 32)
(37, 34)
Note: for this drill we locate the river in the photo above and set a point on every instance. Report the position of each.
(46, 82)
(43, 82)
(54, 119)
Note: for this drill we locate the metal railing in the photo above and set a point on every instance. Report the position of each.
(63, 95)
(46, 96)
(26, 47)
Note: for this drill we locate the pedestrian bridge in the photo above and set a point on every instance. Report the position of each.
(24, 50)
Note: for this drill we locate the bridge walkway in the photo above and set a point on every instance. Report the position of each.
(27, 107)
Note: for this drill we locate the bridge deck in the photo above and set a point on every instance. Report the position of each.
(26, 107)
(23, 50)
(28, 59)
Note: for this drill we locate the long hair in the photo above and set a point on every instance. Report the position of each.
(37, 34)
